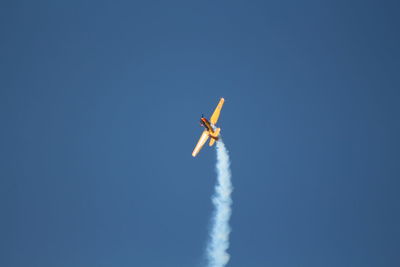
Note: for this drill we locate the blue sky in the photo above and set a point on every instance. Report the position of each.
(99, 110)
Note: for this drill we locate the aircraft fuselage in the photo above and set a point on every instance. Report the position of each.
(206, 124)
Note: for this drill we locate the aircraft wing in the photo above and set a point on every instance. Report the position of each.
(215, 115)
(200, 143)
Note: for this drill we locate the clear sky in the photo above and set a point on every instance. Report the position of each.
(99, 110)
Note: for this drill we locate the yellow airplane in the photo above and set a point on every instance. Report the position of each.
(211, 130)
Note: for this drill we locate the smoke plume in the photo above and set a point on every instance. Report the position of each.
(219, 237)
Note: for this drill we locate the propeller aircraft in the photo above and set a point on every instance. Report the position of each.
(210, 129)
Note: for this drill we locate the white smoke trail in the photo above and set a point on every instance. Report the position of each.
(219, 236)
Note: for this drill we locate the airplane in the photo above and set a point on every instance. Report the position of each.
(210, 129)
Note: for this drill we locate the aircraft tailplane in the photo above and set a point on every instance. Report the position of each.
(214, 136)
(212, 141)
